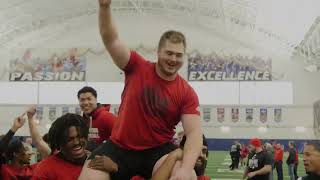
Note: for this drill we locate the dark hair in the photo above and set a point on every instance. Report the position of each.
(14, 147)
(292, 143)
(204, 142)
(58, 132)
(87, 89)
(172, 36)
(45, 138)
(315, 144)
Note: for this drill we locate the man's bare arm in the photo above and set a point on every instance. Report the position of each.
(163, 168)
(118, 51)
(41, 145)
(193, 145)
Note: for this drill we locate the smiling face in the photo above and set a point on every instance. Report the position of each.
(171, 50)
(74, 149)
(87, 102)
(170, 58)
(311, 159)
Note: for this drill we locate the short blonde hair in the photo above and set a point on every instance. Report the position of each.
(173, 37)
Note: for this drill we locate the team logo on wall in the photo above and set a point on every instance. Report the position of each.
(217, 67)
(206, 114)
(235, 115)
(277, 115)
(249, 115)
(37, 65)
(65, 110)
(52, 113)
(78, 110)
(39, 110)
(263, 115)
(220, 114)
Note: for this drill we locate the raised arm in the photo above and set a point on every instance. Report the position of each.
(109, 34)
(41, 145)
(17, 124)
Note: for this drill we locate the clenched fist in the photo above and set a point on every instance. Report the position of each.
(104, 3)
(31, 112)
(18, 123)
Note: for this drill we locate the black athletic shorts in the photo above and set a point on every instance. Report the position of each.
(131, 162)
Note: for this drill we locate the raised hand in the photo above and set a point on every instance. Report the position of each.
(104, 3)
(31, 112)
(18, 123)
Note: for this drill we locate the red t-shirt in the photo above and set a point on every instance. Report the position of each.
(150, 106)
(137, 178)
(204, 178)
(103, 120)
(278, 154)
(53, 167)
(244, 152)
(297, 157)
(9, 172)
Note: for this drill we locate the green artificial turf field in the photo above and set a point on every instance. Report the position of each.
(218, 167)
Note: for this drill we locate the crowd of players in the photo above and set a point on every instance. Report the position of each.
(61, 153)
(261, 160)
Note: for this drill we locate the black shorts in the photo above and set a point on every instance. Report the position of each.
(131, 162)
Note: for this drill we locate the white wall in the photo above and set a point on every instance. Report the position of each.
(83, 32)
(292, 117)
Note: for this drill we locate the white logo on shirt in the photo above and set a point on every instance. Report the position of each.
(93, 133)
(198, 108)
(253, 163)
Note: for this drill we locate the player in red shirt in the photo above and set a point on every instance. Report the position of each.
(5, 140)
(18, 153)
(69, 135)
(278, 160)
(155, 98)
(165, 165)
(296, 165)
(243, 155)
(20, 157)
(100, 120)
